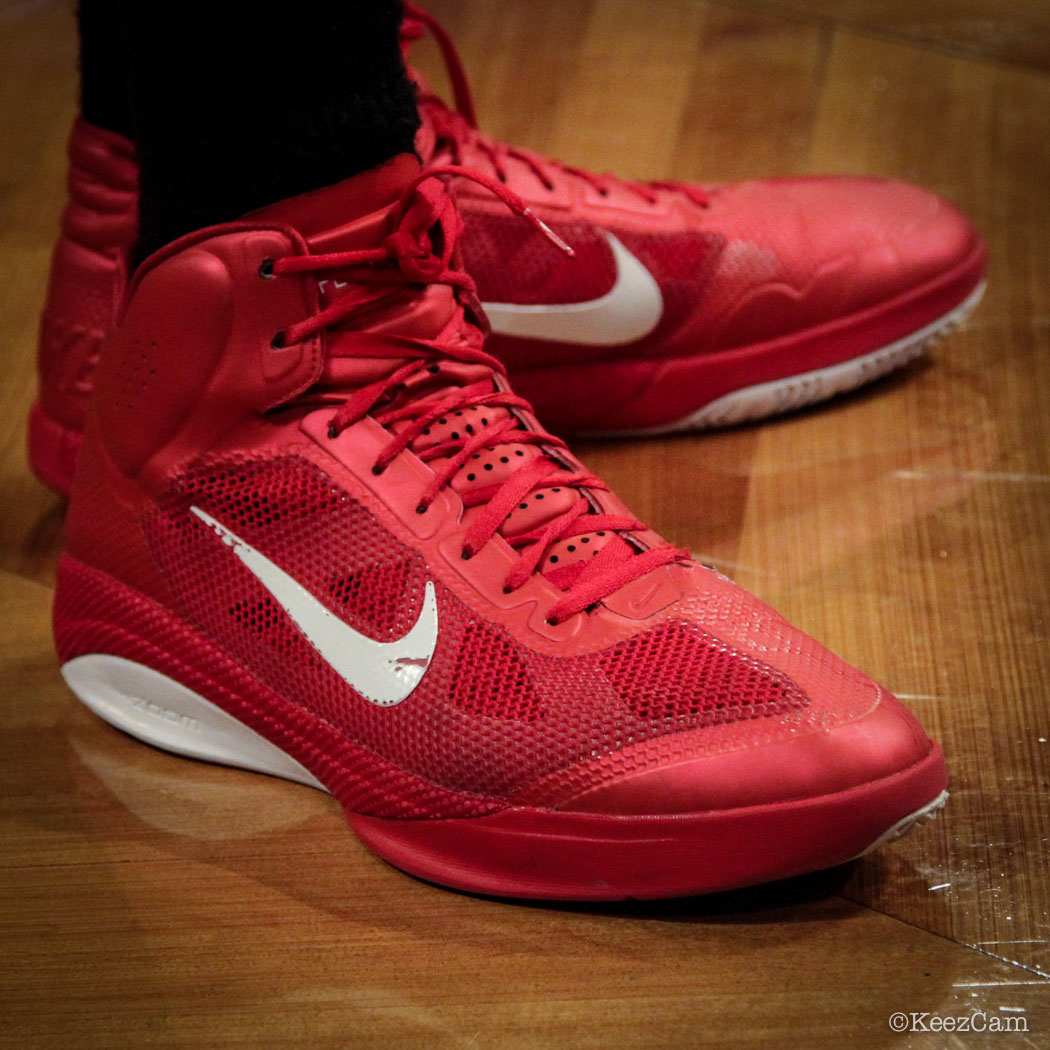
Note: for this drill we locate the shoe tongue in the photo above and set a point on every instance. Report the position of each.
(347, 215)
(443, 135)
(353, 215)
(446, 137)
(426, 137)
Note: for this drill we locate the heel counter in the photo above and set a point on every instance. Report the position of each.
(190, 359)
(102, 213)
(88, 269)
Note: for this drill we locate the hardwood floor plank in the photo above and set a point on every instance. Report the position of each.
(1012, 31)
(932, 573)
(733, 126)
(519, 90)
(633, 132)
(37, 93)
(147, 900)
(181, 931)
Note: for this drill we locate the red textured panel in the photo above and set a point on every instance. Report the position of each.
(492, 679)
(675, 672)
(490, 715)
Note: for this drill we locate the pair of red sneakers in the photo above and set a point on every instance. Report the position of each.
(314, 532)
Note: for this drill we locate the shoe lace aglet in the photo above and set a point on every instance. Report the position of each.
(549, 233)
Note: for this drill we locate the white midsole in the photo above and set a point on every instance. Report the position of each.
(157, 709)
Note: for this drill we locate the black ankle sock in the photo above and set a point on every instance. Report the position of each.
(236, 107)
(103, 66)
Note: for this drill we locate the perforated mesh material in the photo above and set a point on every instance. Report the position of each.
(673, 671)
(683, 264)
(765, 260)
(368, 593)
(259, 617)
(512, 263)
(137, 375)
(497, 685)
(490, 716)
(94, 613)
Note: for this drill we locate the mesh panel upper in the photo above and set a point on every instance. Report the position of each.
(683, 264)
(490, 715)
(498, 684)
(512, 263)
(366, 594)
(672, 671)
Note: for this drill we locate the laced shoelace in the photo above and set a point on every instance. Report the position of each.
(459, 128)
(421, 251)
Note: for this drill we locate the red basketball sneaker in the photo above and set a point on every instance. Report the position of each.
(691, 307)
(683, 307)
(313, 533)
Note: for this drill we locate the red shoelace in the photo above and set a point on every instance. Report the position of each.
(421, 251)
(459, 128)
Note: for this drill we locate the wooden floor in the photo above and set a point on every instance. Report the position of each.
(151, 901)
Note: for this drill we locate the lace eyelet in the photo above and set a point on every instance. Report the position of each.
(377, 470)
(422, 508)
(551, 623)
(333, 432)
(508, 590)
(277, 342)
(466, 555)
(266, 269)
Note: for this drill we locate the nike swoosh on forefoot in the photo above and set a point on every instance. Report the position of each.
(629, 311)
(384, 673)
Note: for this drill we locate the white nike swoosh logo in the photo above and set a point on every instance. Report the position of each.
(629, 311)
(384, 673)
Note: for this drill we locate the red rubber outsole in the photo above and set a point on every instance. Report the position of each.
(552, 855)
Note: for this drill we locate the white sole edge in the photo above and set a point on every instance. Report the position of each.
(778, 396)
(905, 824)
(160, 711)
